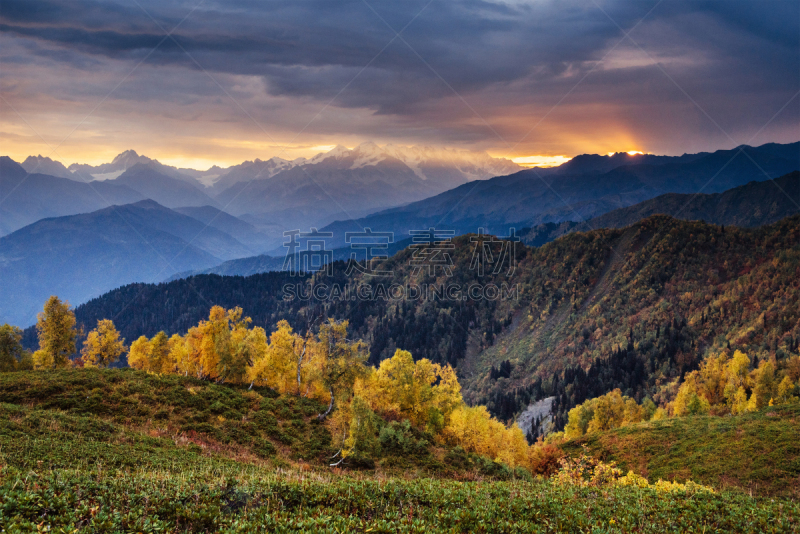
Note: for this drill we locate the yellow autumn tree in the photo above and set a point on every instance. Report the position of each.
(423, 392)
(363, 432)
(341, 361)
(103, 345)
(179, 355)
(290, 365)
(737, 371)
(606, 412)
(786, 391)
(57, 335)
(248, 346)
(192, 352)
(151, 355)
(689, 400)
(139, 354)
(764, 386)
(474, 430)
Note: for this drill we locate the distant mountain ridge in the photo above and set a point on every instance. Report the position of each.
(124, 161)
(751, 205)
(166, 190)
(388, 188)
(428, 163)
(278, 194)
(26, 198)
(341, 185)
(44, 165)
(747, 206)
(597, 164)
(529, 198)
(243, 231)
(423, 160)
(81, 256)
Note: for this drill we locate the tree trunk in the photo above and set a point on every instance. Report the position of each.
(299, 365)
(328, 411)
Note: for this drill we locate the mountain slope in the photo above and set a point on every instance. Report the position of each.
(718, 171)
(43, 165)
(521, 199)
(750, 205)
(312, 194)
(81, 256)
(25, 198)
(243, 231)
(264, 263)
(205, 237)
(167, 191)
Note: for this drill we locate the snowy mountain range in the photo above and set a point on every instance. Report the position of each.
(274, 194)
(428, 163)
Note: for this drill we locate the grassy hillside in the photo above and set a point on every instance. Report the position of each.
(757, 452)
(126, 419)
(122, 451)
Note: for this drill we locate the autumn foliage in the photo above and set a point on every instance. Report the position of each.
(723, 385)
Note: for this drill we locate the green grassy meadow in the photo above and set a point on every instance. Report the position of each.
(123, 451)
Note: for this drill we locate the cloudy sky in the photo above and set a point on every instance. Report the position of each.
(197, 82)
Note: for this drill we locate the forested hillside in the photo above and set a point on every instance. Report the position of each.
(657, 296)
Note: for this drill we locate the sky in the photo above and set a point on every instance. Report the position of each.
(201, 82)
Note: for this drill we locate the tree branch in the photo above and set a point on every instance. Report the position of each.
(329, 410)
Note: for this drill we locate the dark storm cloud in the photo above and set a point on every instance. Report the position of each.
(314, 48)
(498, 54)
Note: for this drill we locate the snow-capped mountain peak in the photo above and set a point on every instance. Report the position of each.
(129, 158)
(337, 152)
(473, 165)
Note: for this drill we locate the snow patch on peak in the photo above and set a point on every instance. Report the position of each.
(337, 152)
(367, 154)
(472, 165)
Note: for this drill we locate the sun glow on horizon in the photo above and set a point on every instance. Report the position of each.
(630, 153)
(541, 161)
(323, 148)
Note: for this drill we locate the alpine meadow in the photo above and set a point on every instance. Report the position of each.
(495, 266)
